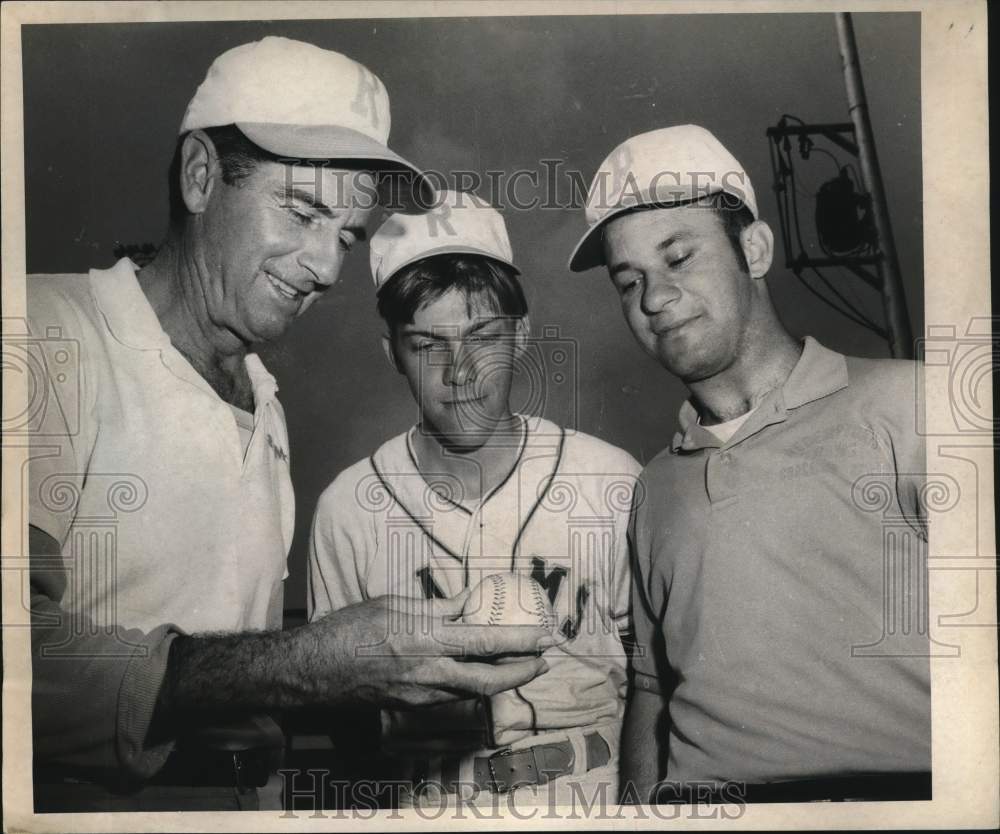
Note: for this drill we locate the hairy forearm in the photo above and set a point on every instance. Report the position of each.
(389, 651)
(251, 671)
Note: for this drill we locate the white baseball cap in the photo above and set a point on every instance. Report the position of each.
(666, 166)
(460, 222)
(297, 100)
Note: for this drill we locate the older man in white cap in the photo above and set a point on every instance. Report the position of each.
(173, 432)
(761, 671)
(475, 489)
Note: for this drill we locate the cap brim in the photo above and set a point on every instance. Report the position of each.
(404, 187)
(589, 252)
(447, 250)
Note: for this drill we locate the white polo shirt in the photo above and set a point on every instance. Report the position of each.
(138, 470)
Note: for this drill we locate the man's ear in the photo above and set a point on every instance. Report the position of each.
(390, 354)
(522, 332)
(199, 170)
(757, 241)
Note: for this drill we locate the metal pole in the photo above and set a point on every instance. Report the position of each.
(893, 297)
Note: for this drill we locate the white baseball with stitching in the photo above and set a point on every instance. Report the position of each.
(509, 599)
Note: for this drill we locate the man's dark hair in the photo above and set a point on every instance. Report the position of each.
(238, 158)
(476, 276)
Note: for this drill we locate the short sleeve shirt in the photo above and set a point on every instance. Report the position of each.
(138, 470)
(761, 573)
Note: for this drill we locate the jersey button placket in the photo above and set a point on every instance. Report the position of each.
(719, 475)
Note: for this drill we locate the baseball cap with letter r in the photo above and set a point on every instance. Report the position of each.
(460, 222)
(662, 167)
(299, 101)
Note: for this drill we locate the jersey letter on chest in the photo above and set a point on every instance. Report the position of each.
(428, 586)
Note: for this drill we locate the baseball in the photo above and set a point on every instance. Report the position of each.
(509, 599)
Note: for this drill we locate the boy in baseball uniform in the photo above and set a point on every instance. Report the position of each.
(475, 489)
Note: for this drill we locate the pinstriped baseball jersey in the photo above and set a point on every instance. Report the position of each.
(561, 516)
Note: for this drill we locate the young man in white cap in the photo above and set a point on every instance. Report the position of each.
(759, 672)
(172, 431)
(475, 489)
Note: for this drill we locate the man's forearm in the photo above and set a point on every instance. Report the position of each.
(640, 746)
(392, 651)
(251, 671)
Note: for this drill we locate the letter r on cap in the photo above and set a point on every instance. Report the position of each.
(440, 216)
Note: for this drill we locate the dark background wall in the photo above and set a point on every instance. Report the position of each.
(103, 102)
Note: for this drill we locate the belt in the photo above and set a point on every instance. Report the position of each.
(869, 787)
(508, 769)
